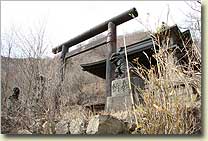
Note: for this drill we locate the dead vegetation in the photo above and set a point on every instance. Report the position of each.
(172, 95)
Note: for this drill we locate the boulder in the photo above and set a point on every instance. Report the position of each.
(62, 127)
(106, 124)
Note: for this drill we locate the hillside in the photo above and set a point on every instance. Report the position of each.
(49, 106)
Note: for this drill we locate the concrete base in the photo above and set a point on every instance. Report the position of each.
(121, 99)
(118, 103)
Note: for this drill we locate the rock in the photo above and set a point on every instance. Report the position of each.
(106, 124)
(78, 126)
(134, 129)
(62, 127)
(24, 131)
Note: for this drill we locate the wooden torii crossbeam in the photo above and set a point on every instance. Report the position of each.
(110, 40)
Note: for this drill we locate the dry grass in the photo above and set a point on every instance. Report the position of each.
(170, 108)
(172, 95)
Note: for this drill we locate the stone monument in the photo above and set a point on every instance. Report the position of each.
(121, 94)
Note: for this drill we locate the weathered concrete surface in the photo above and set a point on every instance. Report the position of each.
(120, 87)
(118, 103)
(121, 99)
(106, 124)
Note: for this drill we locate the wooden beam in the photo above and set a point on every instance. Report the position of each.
(111, 46)
(122, 18)
(87, 47)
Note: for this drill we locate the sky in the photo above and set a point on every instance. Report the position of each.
(67, 19)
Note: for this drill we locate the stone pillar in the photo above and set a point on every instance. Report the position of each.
(121, 98)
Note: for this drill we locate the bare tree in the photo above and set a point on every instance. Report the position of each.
(194, 20)
(32, 73)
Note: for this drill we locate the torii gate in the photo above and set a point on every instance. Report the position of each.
(110, 40)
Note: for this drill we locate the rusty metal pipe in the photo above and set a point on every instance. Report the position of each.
(124, 17)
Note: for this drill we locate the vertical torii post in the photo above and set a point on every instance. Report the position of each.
(109, 25)
(111, 48)
(63, 54)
